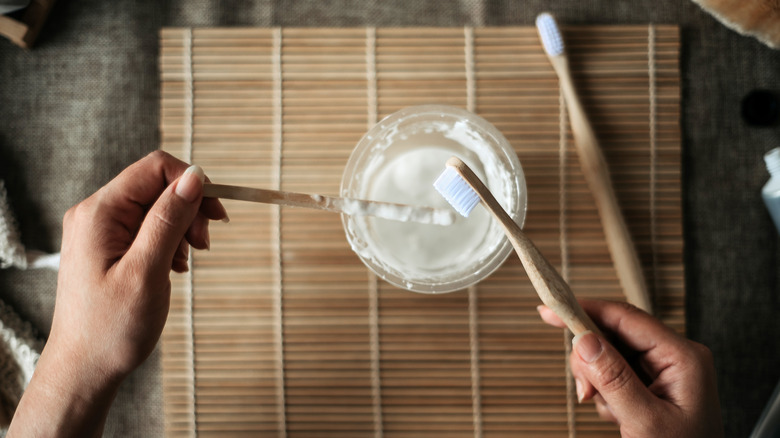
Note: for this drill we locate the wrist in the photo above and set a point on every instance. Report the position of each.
(76, 374)
(65, 398)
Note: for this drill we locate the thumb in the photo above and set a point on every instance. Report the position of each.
(167, 222)
(609, 373)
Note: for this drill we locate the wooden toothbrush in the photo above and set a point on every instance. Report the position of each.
(464, 190)
(594, 167)
(358, 207)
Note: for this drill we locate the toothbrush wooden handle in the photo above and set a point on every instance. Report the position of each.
(596, 172)
(549, 285)
(554, 292)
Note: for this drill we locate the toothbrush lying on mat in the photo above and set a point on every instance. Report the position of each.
(594, 167)
(464, 190)
(358, 207)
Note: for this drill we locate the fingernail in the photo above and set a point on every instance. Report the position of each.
(223, 213)
(588, 346)
(190, 184)
(580, 394)
(539, 308)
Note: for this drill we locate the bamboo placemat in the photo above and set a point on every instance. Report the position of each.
(279, 330)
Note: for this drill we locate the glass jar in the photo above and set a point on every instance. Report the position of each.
(397, 161)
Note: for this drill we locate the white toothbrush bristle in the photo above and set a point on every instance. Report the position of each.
(550, 34)
(456, 191)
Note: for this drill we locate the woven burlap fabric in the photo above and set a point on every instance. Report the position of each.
(85, 103)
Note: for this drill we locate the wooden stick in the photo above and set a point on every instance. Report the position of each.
(359, 207)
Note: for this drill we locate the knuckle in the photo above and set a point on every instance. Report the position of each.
(701, 352)
(158, 155)
(77, 214)
(78, 230)
(67, 219)
(630, 309)
(164, 218)
(157, 160)
(605, 413)
(614, 375)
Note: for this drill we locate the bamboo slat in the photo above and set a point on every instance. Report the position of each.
(280, 330)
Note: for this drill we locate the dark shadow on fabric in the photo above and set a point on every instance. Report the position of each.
(28, 215)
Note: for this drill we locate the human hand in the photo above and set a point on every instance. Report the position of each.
(681, 399)
(118, 249)
(113, 291)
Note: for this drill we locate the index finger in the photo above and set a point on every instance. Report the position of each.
(138, 187)
(634, 327)
(656, 344)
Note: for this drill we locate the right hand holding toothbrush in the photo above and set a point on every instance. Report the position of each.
(681, 399)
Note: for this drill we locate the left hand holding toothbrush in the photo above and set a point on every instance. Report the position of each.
(113, 292)
(682, 398)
